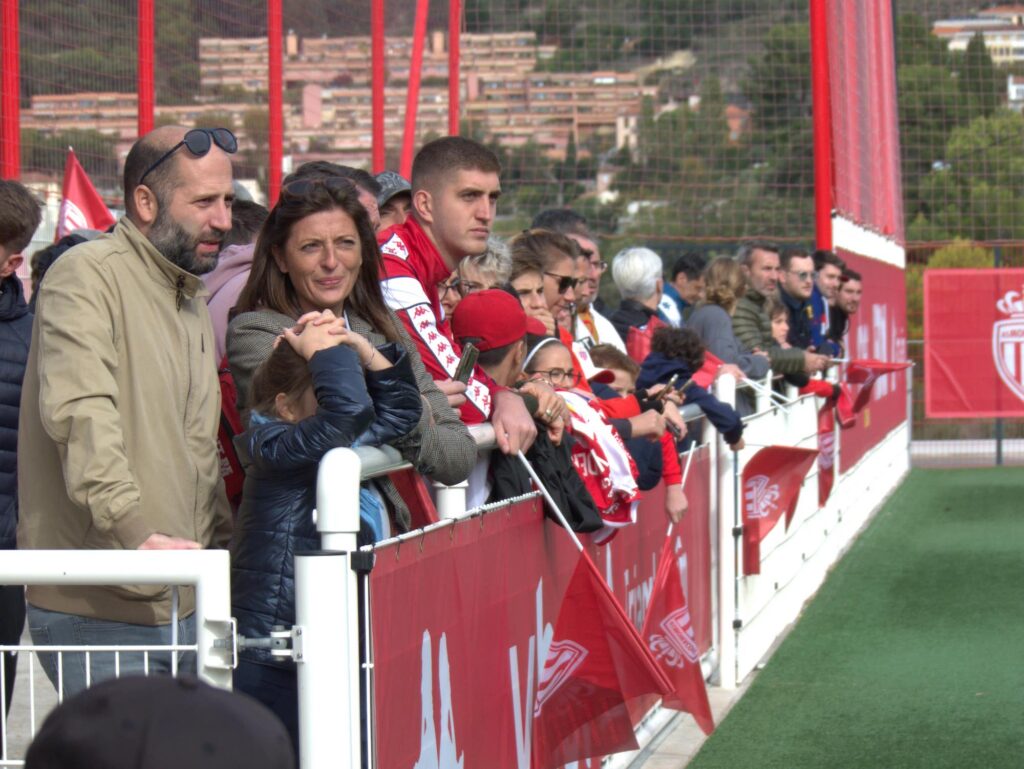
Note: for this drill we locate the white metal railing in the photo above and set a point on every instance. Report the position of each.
(208, 571)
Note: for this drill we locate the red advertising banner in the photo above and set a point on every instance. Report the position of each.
(463, 621)
(974, 343)
(877, 331)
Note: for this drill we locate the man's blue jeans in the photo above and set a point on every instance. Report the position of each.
(52, 628)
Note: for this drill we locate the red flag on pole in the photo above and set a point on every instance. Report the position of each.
(596, 664)
(669, 636)
(81, 208)
(866, 373)
(771, 487)
(705, 376)
(827, 452)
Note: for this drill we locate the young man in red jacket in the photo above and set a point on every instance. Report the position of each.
(455, 191)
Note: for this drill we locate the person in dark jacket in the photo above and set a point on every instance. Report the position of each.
(637, 273)
(679, 351)
(44, 258)
(851, 289)
(324, 386)
(795, 287)
(19, 218)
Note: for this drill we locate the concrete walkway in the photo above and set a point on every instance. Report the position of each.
(676, 745)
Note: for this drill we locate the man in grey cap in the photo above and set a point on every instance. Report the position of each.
(394, 200)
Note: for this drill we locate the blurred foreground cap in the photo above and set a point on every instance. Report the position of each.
(159, 722)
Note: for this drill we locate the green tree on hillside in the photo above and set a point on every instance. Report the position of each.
(978, 193)
(982, 86)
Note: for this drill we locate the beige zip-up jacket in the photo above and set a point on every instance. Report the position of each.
(119, 416)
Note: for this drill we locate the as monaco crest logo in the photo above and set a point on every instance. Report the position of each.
(827, 449)
(759, 497)
(564, 657)
(71, 218)
(1008, 342)
(395, 247)
(675, 645)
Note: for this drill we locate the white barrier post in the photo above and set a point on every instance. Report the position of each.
(451, 500)
(725, 391)
(326, 634)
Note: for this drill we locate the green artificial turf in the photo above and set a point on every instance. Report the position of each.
(912, 653)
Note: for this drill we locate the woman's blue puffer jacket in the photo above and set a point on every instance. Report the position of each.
(276, 516)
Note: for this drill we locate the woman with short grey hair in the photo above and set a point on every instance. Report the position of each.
(637, 274)
(491, 269)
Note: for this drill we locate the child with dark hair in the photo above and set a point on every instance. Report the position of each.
(655, 462)
(324, 386)
(44, 258)
(679, 351)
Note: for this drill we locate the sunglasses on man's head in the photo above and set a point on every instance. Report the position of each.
(198, 141)
(565, 282)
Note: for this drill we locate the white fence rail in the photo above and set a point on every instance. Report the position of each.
(207, 571)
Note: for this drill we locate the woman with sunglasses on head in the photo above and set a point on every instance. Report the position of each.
(316, 252)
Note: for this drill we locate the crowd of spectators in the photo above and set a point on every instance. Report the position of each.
(342, 315)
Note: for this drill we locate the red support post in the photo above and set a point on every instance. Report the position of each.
(454, 37)
(145, 67)
(10, 94)
(275, 99)
(377, 82)
(822, 121)
(412, 98)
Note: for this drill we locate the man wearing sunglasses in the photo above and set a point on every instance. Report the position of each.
(750, 321)
(455, 191)
(117, 448)
(795, 287)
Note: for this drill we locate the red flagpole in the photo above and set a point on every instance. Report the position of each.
(454, 54)
(822, 121)
(10, 94)
(275, 105)
(412, 99)
(145, 67)
(377, 82)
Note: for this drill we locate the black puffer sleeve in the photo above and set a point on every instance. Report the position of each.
(345, 411)
(396, 398)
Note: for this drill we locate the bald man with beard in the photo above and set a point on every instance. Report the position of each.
(117, 448)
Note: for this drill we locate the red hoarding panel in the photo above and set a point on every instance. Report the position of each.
(462, 619)
(974, 343)
(878, 331)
